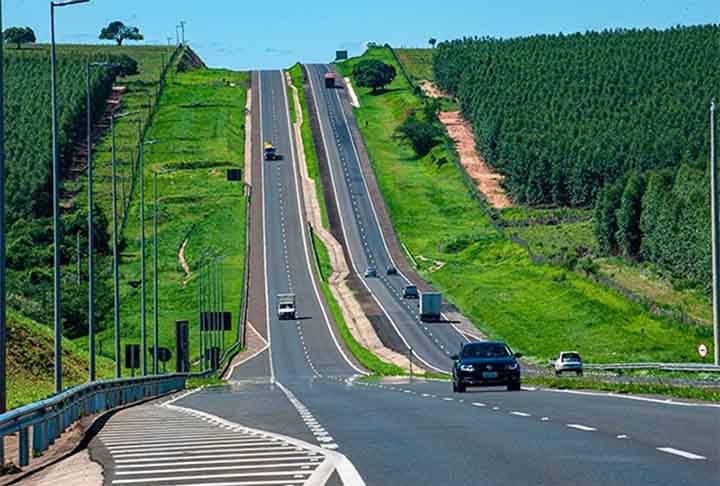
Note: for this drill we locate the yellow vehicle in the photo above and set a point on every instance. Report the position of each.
(270, 152)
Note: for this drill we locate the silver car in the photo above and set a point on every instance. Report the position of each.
(568, 361)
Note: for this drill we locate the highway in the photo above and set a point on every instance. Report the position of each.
(432, 343)
(301, 412)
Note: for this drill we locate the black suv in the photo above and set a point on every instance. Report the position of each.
(486, 363)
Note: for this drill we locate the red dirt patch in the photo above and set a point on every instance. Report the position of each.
(488, 181)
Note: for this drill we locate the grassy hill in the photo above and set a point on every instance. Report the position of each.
(538, 309)
(30, 371)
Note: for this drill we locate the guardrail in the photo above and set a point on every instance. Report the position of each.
(49, 418)
(691, 367)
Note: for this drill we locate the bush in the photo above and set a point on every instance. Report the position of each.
(422, 135)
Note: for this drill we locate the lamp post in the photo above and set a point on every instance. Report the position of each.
(91, 228)
(116, 254)
(56, 195)
(3, 336)
(715, 236)
(143, 315)
(182, 26)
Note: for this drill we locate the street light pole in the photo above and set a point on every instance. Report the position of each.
(57, 317)
(182, 26)
(91, 234)
(116, 270)
(202, 309)
(143, 315)
(155, 275)
(3, 332)
(715, 235)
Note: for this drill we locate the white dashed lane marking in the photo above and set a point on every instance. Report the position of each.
(681, 453)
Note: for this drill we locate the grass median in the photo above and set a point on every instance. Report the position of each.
(539, 309)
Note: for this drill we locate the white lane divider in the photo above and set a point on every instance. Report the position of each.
(311, 422)
(584, 428)
(681, 453)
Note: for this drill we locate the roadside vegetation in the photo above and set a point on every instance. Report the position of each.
(635, 248)
(539, 309)
(197, 134)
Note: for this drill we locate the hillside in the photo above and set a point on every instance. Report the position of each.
(30, 371)
(562, 115)
(538, 308)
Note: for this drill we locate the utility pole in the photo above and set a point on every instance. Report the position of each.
(182, 26)
(177, 35)
(143, 315)
(3, 332)
(715, 235)
(155, 276)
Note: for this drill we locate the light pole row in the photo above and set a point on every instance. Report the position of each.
(210, 303)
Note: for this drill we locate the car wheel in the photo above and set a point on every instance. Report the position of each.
(513, 387)
(455, 387)
(460, 388)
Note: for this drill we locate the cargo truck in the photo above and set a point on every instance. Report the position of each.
(330, 80)
(286, 306)
(430, 304)
(270, 152)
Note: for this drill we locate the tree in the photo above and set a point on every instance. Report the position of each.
(628, 234)
(423, 136)
(605, 217)
(19, 35)
(373, 74)
(119, 32)
(432, 41)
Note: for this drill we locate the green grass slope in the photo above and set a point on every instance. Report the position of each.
(199, 132)
(538, 309)
(30, 368)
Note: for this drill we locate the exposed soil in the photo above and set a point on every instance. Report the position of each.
(431, 90)
(488, 181)
(183, 262)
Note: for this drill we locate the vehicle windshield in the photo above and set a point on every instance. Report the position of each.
(485, 350)
(571, 357)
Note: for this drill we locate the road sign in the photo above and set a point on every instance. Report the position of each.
(132, 356)
(702, 350)
(182, 347)
(208, 321)
(234, 174)
(163, 354)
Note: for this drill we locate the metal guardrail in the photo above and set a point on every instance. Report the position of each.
(49, 418)
(690, 367)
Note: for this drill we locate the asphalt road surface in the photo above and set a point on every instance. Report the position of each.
(302, 397)
(432, 343)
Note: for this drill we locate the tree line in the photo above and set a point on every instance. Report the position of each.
(562, 115)
(616, 120)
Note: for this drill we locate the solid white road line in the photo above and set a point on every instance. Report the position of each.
(284, 456)
(581, 427)
(286, 482)
(681, 453)
(192, 453)
(252, 356)
(213, 468)
(275, 454)
(165, 479)
(633, 397)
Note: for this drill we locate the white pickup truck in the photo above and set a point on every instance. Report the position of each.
(286, 306)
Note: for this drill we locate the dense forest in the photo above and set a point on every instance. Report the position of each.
(616, 120)
(28, 148)
(561, 115)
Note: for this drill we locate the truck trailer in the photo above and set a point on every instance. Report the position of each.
(430, 305)
(286, 306)
(330, 80)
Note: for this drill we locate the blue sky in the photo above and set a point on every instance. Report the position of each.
(249, 34)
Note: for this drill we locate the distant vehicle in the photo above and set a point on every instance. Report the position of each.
(410, 292)
(371, 271)
(390, 270)
(330, 80)
(486, 363)
(568, 361)
(430, 305)
(270, 152)
(286, 306)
